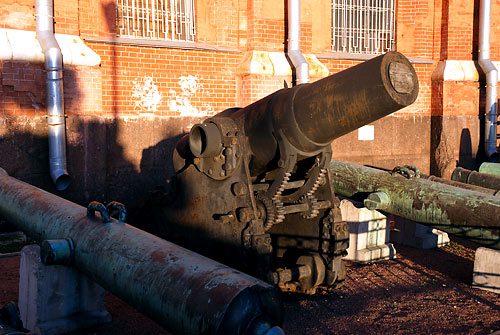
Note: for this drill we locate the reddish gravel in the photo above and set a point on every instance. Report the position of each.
(421, 292)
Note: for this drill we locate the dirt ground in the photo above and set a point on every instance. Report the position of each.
(420, 292)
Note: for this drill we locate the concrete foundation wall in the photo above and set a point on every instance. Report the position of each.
(120, 159)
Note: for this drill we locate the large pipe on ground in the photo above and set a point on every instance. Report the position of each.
(185, 292)
(469, 214)
(55, 97)
(466, 186)
(490, 108)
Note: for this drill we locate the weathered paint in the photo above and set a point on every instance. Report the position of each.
(185, 292)
(147, 95)
(181, 102)
(469, 214)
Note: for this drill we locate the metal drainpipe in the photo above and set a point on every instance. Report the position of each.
(55, 98)
(298, 61)
(490, 112)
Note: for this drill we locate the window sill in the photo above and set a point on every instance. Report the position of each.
(159, 44)
(348, 56)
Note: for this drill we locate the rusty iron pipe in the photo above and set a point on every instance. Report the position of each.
(468, 214)
(476, 178)
(470, 187)
(185, 292)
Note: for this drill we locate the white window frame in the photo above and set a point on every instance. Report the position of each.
(363, 26)
(171, 20)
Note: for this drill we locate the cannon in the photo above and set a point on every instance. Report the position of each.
(487, 180)
(464, 210)
(183, 291)
(252, 187)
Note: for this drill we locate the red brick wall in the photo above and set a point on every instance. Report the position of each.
(254, 87)
(17, 14)
(422, 28)
(66, 14)
(97, 18)
(123, 68)
(429, 29)
(22, 89)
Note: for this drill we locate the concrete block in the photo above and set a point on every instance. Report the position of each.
(368, 234)
(57, 299)
(486, 273)
(413, 234)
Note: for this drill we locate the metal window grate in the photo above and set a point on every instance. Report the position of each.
(157, 19)
(362, 26)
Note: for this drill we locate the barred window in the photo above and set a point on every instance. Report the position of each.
(157, 19)
(363, 26)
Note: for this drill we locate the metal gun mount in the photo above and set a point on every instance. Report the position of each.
(253, 189)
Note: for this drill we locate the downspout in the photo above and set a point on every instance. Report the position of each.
(490, 112)
(296, 58)
(55, 99)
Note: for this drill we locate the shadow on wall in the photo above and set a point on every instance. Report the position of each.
(466, 158)
(108, 158)
(445, 129)
(100, 168)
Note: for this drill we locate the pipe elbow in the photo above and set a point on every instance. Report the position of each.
(51, 50)
(301, 66)
(488, 68)
(296, 57)
(53, 58)
(60, 177)
(492, 155)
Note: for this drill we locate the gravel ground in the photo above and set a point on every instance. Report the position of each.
(420, 292)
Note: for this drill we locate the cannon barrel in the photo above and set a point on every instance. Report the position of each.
(468, 214)
(310, 116)
(184, 291)
(487, 180)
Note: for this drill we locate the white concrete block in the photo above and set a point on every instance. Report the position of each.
(57, 299)
(486, 273)
(368, 234)
(413, 234)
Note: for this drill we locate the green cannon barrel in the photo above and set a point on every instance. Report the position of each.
(469, 214)
(184, 291)
(490, 168)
